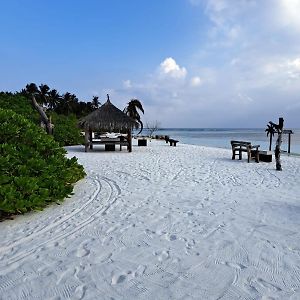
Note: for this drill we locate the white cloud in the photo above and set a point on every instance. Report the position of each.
(295, 64)
(169, 67)
(196, 81)
(248, 70)
(288, 11)
(127, 84)
(243, 99)
(283, 68)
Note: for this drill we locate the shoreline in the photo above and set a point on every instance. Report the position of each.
(293, 154)
(162, 222)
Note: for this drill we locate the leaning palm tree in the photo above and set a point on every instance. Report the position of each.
(132, 111)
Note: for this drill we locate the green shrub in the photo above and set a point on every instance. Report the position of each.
(34, 169)
(20, 105)
(66, 131)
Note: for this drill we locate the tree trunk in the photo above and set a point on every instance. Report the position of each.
(270, 146)
(278, 144)
(277, 150)
(44, 118)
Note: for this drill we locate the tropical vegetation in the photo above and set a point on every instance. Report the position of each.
(132, 110)
(34, 168)
(34, 125)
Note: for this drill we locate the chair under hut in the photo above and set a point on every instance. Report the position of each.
(107, 118)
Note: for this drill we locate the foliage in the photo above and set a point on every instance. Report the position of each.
(34, 169)
(65, 131)
(19, 104)
(133, 106)
(270, 130)
(65, 104)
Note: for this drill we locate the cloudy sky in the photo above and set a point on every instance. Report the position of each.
(192, 63)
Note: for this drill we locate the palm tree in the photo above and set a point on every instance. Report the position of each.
(95, 102)
(53, 99)
(270, 131)
(132, 111)
(44, 92)
(67, 104)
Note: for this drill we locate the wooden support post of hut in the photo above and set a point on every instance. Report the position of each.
(86, 140)
(107, 118)
(91, 139)
(289, 132)
(129, 137)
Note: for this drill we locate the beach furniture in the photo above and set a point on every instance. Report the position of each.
(265, 156)
(171, 141)
(238, 147)
(109, 142)
(142, 142)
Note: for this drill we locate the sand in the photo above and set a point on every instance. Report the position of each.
(161, 222)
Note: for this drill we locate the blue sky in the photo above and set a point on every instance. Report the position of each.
(192, 63)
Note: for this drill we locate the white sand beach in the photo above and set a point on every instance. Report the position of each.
(161, 222)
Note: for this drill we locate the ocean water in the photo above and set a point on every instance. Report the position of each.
(220, 138)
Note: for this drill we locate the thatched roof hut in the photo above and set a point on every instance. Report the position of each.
(107, 118)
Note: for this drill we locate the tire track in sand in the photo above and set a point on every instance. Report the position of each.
(62, 220)
(113, 194)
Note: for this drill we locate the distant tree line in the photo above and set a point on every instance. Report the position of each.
(63, 104)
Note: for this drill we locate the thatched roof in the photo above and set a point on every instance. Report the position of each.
(108, 118)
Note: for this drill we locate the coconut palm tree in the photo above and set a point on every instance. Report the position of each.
(270, 130)
(67, 104)
(53, 99)
(44, 93)
(131, 110)
(95, 102)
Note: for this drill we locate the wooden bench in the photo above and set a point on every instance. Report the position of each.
(171, 141)
(238, 147)
(108, 142)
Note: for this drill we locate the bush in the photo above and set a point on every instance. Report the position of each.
(20, 105)
(34, 169)
(66, 131)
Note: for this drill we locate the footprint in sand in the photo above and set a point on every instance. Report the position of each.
(80, 292)
(172, 237)
(116, 279)
(234, 265)
(82, 251)
(268, 285)
(162, 255)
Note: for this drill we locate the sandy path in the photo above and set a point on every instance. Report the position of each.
(161, 223)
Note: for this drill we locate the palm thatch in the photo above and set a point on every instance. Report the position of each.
(108, 118)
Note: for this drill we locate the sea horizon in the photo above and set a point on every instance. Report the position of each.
(220, 137)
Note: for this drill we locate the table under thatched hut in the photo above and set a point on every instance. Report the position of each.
(107, 118)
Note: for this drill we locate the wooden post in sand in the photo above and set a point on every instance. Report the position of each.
(86, 140)
(91, 139)
(129, 138)
(279, 129)
(278, 145)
